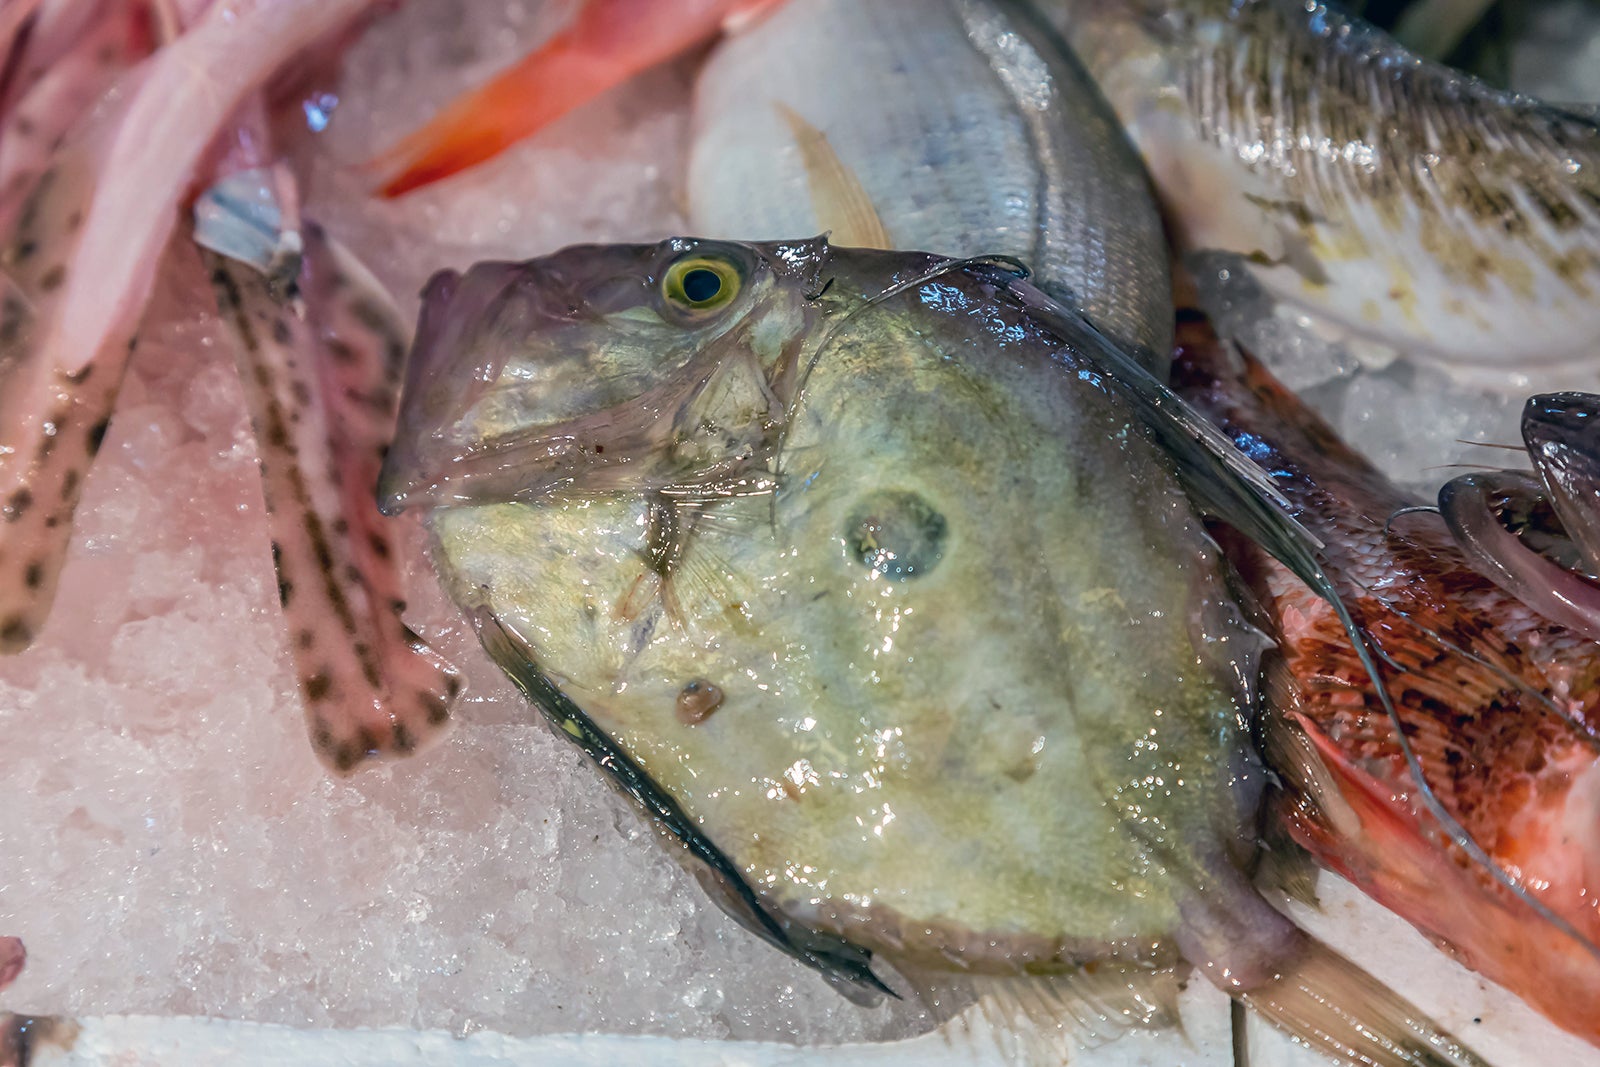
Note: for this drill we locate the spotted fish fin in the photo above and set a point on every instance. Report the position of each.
(51, 421)
(320, 378)
(841, 204)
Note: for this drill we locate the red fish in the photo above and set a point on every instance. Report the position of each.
(1497, 858)
(609, 42)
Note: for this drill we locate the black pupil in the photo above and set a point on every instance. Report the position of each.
(700, 285)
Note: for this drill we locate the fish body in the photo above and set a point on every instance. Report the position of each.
(1500, 705)
(1394, 197)
(985, 137)
(856, 571)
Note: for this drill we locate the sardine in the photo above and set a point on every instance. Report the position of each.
(1395, 197)
(859, 571)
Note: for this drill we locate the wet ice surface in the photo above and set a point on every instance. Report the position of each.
(169, 843)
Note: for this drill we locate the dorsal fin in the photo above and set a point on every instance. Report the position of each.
(837, 196)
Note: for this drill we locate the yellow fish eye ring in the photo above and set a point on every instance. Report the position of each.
(700, 283)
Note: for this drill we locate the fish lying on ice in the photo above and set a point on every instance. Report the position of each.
(1497, 692)
(1395, 197)
(857, 571)
(114, 111)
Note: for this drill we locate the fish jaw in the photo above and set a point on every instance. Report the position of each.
(1562, 435)
(608, 43)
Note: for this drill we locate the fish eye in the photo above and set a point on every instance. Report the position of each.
(700, 283)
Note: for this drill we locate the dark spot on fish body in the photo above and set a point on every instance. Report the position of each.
(33, 575)
(74, 220)
(305, 639)
(397, 606)
(277, 434)
(379, 545)
(452, 686)
(285, 590)
(15, 634)
(401, 740)
(347, 755)
(69, 484)
(697, 700)
(352, 574)
(369, 670)
(340, 351)
(97, 435)
(302, 395)
(434, 708)
(19, 503)
(23, 250)
(281, 332)
(51, 279)
(896, 534)
(371, 316)
(317, 686)
(13, 312)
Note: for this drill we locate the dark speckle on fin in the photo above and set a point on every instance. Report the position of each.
(312, 365)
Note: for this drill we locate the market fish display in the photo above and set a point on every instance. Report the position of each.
(1498, 695)
(1398, 198)
(861, 573)
(115, 111)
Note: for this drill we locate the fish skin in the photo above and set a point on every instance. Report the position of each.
(1507, 736)
(1467, 233)
(945, 584)
(985, 137)
(321, 373)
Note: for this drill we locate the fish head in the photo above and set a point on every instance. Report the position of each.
(587, 370)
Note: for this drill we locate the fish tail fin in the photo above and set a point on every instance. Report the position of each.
(608, 43)
(1328, 1002)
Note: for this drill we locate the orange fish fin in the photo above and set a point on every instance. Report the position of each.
(608, 43)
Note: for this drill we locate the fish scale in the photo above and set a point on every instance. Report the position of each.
(1502, 708)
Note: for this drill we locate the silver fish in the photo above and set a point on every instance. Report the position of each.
(870, 575)
(1398, 198)
(984, 136)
